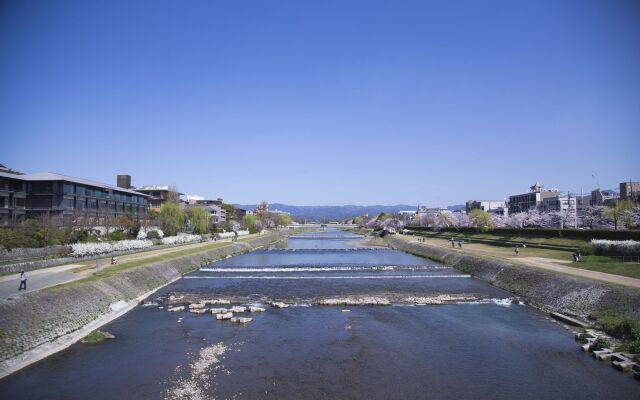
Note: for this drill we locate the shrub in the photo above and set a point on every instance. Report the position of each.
(153, 235)
(94, 249)
(622, 327)
(601, 343)
(117, 235)
(621, 247)
(181, 239)
(634, 347)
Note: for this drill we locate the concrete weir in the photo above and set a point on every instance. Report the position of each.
(548, 291)
(40, 323)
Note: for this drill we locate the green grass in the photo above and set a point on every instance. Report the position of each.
(583, 244)
(115, 269)
(95, 337)
(609, 265)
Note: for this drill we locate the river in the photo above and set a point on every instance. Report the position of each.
(476, 345)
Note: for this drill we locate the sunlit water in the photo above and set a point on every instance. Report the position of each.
(481, 349)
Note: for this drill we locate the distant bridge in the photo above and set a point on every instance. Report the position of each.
(332, 225)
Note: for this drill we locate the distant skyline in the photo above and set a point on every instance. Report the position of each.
(325, 103)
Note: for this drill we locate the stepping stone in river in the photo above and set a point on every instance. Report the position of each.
(241, 320)
(238, 309)
(219, 311)
(228, 315)
(176, 309)
(256, 309)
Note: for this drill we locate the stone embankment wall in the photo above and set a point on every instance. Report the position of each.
(552, 292)
(37, 318)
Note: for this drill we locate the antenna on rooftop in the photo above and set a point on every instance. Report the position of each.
(596, 181)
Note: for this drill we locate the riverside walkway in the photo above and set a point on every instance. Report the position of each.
(549, 264)
(52, 276)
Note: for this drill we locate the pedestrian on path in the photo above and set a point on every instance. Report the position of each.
(453, 243)
(23, 281)
(460, 244)
(517, 250)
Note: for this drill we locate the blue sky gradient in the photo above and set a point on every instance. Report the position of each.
(332, 102)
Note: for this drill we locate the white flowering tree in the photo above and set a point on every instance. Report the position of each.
(460, 220)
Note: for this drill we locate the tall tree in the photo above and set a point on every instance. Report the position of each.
(481, 220)
(621, 213)
(171, 218)
(199, 219)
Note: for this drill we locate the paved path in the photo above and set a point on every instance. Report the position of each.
(47, 277)
(548, 264)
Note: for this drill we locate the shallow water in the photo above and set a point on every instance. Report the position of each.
(474, 350)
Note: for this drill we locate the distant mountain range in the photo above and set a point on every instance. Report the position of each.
(330, 213)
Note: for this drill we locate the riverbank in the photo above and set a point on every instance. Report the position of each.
(549, 291)
(38, 324)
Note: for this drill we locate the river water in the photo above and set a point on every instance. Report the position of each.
(477, 346)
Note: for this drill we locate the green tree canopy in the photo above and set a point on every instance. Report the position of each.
(199, 219)
(250, 223)
(171, 218)
(481, 220)
(620, 214)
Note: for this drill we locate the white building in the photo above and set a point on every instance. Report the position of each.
(424, 211)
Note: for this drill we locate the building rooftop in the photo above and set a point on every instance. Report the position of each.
(157, 188)
(51, 176)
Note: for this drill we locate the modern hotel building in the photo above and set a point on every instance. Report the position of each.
(64, 199)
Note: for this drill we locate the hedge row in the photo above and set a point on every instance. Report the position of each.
(546, 232)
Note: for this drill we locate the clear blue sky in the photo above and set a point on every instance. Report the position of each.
(325, 102)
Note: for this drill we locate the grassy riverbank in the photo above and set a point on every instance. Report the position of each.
(500, 246)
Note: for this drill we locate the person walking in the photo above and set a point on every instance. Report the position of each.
(453, 243)
(517, 250)
(460, 244)
(23, 281)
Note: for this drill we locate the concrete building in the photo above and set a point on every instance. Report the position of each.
(531, 200)
(424, 211)
(160, 194)
(491, 206)
(559, 202)
(65, 200)
(241, 212)
(601, 197)
(630, 191)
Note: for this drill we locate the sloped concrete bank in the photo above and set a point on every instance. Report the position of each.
(548, 291)
(37, 324)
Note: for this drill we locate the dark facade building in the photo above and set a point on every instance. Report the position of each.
(630, 191)
(64, 200)
(124, 181)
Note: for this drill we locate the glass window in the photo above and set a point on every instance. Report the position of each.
(68, 203)
(68, 188)
(80, 190)
(81, 204)
(4, 202)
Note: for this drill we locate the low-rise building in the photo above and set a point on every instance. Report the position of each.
(531, 200)
(65, 200)
(601, 197)
(215, 208)
(630, 191)
(491, 206)
(241, 213)
(559, 202)
(159, 194)
(424, 211)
